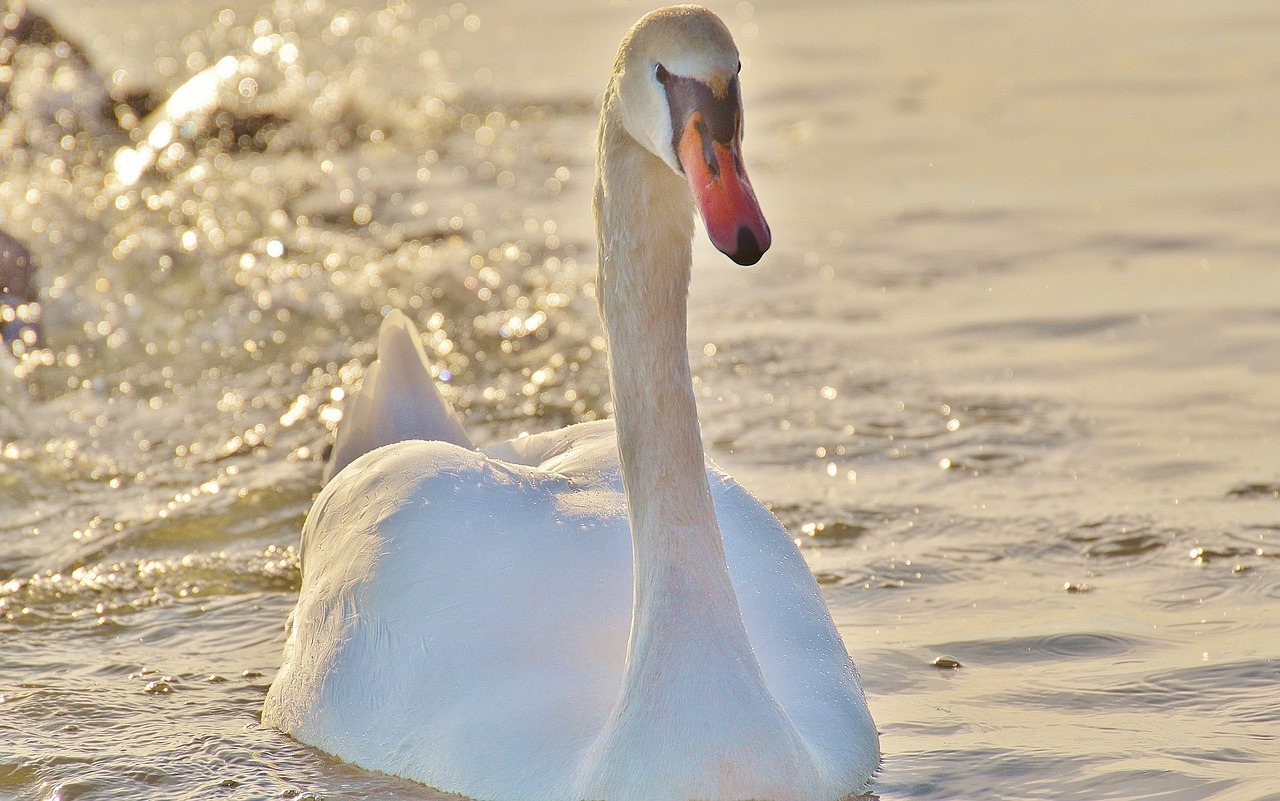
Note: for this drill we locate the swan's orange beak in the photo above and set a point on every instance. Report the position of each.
(723, 192)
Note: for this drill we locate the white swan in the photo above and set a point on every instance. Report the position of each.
(486, 621)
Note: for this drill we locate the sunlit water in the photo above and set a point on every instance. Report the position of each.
(1010, 374)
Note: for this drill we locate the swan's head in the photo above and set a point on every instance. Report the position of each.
(677, 90)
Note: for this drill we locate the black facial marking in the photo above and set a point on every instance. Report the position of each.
(719, 115)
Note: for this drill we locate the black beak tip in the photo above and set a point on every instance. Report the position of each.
(748, 251)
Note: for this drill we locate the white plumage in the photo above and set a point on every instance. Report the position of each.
(535, 621)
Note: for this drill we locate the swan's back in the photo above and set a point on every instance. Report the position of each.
(461, 622)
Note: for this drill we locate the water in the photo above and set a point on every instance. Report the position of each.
(1009, 374)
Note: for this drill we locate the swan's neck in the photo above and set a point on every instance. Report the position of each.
(694, 713)
(687, 633)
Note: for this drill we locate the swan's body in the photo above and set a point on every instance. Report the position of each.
(588, 613)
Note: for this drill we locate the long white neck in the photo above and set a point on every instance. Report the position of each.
(683, 594)
(690, 668)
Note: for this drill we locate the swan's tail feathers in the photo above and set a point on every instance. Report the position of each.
(398, 401)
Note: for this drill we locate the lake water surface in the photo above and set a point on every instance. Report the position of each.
(1010, 374)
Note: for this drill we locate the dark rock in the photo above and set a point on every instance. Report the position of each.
(19, 314)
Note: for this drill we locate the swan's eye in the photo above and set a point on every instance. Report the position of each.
(661, 74)
(739, 69)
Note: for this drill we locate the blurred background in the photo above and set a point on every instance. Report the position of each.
(1009, 374)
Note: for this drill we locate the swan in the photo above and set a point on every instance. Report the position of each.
(597, 612)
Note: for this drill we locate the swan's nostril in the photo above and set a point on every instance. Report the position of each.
(748, 250)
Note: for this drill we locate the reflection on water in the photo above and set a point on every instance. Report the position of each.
(1008, 375)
